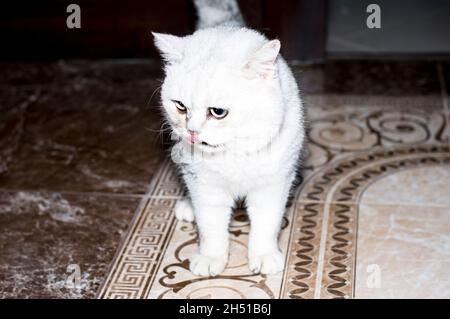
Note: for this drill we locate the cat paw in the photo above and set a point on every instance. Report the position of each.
(269, 264)
(184, 210)
(207, 266)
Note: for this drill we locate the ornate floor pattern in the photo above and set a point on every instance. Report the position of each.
(371, 219)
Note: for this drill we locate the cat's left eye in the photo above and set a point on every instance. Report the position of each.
(217, 112)
(180, 106)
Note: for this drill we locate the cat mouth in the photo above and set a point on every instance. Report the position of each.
(199, 143)
(209, 145)
(206, 144)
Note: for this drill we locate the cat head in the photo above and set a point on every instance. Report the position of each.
(221, 90)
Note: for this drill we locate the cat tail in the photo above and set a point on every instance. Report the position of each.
(212, 13)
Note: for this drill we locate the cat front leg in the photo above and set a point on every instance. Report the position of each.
(212, 211)
(266, 207)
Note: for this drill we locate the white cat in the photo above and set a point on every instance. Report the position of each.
(235, 109)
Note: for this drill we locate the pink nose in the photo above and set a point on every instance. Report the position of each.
(193, 137)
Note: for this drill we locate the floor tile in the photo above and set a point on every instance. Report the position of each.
(343, 124)
(403, 252)
(42, 234)
(370, 77)
(75, 127)
(428, 184)
(403, 236)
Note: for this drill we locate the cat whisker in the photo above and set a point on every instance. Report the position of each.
(153, 94)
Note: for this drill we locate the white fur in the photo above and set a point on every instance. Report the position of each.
(256, 146)
(184, 210)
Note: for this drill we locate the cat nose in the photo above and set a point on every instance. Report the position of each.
(193, 137)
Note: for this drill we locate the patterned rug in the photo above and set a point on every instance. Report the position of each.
(369, 217)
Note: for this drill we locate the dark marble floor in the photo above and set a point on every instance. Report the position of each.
(80, 141)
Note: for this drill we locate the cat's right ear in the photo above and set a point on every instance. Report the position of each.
(263, 62)
(170, 46)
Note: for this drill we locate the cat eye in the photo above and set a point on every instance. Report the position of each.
(180, 106)
(217, 112)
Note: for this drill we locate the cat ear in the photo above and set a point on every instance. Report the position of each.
(263, 61)
(170, 46)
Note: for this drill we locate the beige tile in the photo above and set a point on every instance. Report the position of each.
(303, 251)
(352, 123)
(336, 257)
(428, 185)
(404, 233)
(408, 247)
(316, 156)
(404, 229)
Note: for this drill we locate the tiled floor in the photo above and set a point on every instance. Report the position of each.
(79, 147)
(407, 236)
